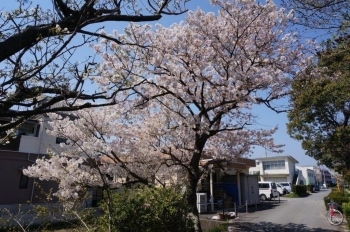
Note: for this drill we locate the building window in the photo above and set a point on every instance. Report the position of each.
(60, 140)
(23, 183)
(274, 165)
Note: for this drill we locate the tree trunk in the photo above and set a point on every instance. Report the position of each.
(338, 182)
(191, 198)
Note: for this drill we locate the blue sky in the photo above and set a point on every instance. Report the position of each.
(267, 118)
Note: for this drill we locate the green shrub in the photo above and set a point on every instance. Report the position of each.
(346, 211)
(146, 209)
(338, 197)
(300, 190)
(310, 187)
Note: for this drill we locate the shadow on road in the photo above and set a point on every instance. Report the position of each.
(272, 227)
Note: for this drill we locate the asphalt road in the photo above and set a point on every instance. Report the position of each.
(291, 214)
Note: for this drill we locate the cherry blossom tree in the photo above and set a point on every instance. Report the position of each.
(197, 84)
(327, 16)
(41, 46)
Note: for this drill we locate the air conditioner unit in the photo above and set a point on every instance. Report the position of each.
(202, 202)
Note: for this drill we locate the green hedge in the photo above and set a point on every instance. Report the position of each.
(310, 187)
(343, 199)
(299, 189)
(346, 210)
(338, 197)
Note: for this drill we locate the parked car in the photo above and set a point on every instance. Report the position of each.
(317, 188)
(281, 190)
(287, 186)
(267, 190)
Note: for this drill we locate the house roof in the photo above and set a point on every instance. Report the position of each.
(278, 157)
(237, 163)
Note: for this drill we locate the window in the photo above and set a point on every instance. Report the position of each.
(264, 185)
(60, 140)
(274, 165)
(23, 183)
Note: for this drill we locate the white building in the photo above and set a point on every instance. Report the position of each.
(306, 175)
(40, 141)
(276, 168)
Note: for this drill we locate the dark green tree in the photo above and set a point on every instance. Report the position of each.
(320, 113)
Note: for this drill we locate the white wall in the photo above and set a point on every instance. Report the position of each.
(278, 175)
(291, 169)
(40, 144)
(307, 175)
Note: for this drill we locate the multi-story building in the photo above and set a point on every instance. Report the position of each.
(306, 175)
(276, 168)
(30, 143)
(326, 177)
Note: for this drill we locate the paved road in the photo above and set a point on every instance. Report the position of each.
(291, 214)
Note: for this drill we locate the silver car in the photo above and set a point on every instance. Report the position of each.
(281, 190)
(287, 186)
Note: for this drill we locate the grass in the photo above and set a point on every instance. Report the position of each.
(294, 195)
(56, 226)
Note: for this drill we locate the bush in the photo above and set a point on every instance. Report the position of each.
(300, 190)
(346, 211)
(147, 209)
(338, 197)
(310, 187)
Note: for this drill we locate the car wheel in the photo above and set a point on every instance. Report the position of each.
(263, 197)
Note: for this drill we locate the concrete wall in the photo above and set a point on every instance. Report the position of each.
(40, 144)
(307, 175)
(291, 169)
(11, 165)
(278, 175)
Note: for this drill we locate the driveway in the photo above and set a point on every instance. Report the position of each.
(291, 214)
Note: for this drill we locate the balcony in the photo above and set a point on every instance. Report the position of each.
(26, 131)
(13, 144)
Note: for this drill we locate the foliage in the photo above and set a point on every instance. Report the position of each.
(146, 209)
(40, 218)
(338, 197)
(194, 85)
(346, 210)
(292, 195)
(326, 15)
(41, 68)
(310, 187)
(320, 111)
(300, 190)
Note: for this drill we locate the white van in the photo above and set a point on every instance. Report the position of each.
(267, 190)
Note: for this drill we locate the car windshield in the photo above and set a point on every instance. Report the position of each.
(285, 184)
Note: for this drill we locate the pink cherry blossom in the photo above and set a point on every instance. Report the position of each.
(194, 85)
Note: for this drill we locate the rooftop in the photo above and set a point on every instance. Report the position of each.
(278, 157)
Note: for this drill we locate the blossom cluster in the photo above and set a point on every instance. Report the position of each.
(194, 85)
